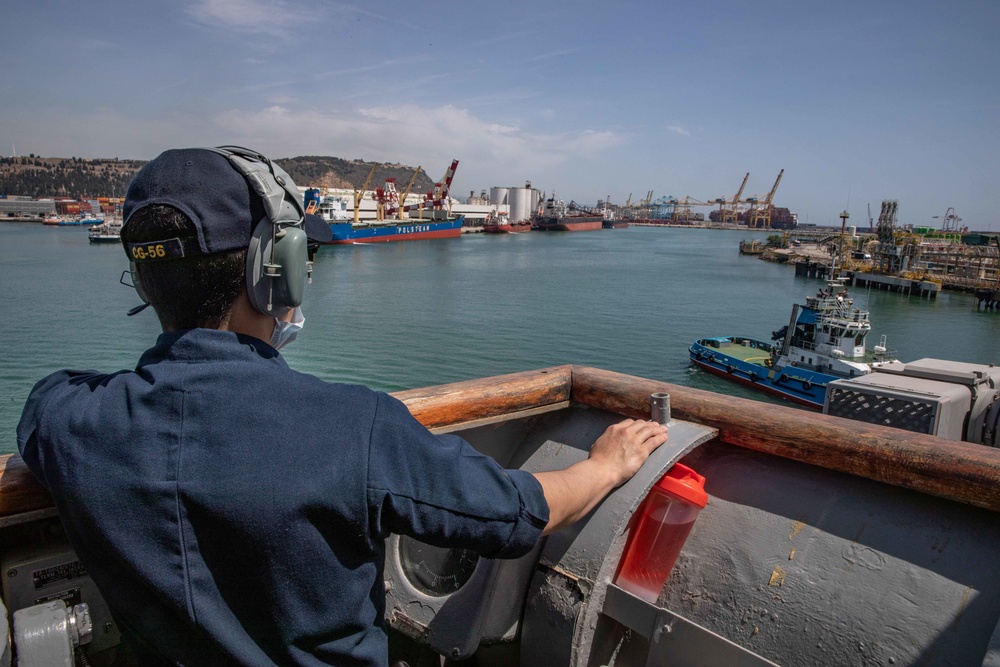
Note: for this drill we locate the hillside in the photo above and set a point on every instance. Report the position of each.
(73, 177)
(333, 172)
(79, 178)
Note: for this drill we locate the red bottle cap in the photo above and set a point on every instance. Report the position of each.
(684, 483)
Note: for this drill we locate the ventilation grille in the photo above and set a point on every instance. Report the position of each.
(902, 413)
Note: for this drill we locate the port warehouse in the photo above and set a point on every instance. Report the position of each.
(518, 203)
(14, 207)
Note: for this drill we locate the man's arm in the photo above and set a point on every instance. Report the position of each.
(614, 458)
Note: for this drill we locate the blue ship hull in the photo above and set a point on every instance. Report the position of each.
(77, 223)
(382, 232)
(744, 365)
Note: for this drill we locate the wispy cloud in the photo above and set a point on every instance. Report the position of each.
(504, 38)
(491, 151)
(175, 84)
(94, 44)
(311, 79)
(677, 129)
(274, 17)
(279, 18)
(415, 135)
(551, 54)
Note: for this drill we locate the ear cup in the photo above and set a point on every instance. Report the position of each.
(277, 268)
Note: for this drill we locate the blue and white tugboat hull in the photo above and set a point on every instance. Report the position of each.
(748, 362)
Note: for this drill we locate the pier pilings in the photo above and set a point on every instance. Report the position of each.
(922, 288)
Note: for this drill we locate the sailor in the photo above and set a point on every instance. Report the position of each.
(232, 510)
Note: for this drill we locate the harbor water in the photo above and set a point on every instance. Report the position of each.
(402, 315)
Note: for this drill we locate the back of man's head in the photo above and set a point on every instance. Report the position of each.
(191, 292)
(197, 201)
(189, 218)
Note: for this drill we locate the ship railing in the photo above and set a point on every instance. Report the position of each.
(960, 471)
(861, 318)
(879, 356)
(804, 344)
(855, 315)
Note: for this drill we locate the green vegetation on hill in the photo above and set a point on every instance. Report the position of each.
(80, 178)
(66, 177)
(320, 171)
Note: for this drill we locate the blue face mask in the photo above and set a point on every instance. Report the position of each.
(285, 332)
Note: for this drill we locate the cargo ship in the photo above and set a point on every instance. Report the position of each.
(432, 222)
(556, 217)
(824, 341)
(389, 230)
(335, 211)
(501, 224)
(77, 222)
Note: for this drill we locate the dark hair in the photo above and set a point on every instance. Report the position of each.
(192, 292)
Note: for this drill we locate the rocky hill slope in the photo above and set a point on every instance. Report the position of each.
(81, 178)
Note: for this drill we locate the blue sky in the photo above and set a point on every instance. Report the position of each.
(857, 101)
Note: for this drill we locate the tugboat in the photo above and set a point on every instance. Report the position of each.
(499, 223)
(106, 232)
(824, 341)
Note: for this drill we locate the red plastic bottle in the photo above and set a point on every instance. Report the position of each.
(657, 537)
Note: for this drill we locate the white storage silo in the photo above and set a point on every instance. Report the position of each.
(520, 202)
(499, 196)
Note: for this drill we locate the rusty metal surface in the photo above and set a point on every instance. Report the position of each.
(674, 640)
(807, 567)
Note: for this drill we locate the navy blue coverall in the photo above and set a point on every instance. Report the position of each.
(232, 510)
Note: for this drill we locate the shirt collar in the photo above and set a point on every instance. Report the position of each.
(208, 345)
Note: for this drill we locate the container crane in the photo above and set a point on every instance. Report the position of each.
(762, 213)
(682, 207)
(386, 198)
(730, 212)
(359, 194)
(949, 221)
(646, 208)
(398, 210)
(435, 198)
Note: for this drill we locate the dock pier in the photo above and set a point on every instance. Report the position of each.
(810, 269)
(923, 288)
(988, 299)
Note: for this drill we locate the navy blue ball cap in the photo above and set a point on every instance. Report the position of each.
(207, 188)
(317, 229)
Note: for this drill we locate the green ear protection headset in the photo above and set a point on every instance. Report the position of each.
(278, 263)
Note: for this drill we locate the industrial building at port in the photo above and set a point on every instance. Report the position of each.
(518, 204)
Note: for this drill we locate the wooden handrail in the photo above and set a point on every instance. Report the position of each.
(458, 402)
(958, 471)
(961, 471)
(20, 492)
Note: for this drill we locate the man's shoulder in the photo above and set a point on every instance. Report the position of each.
(69, 380)
(315, 383)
